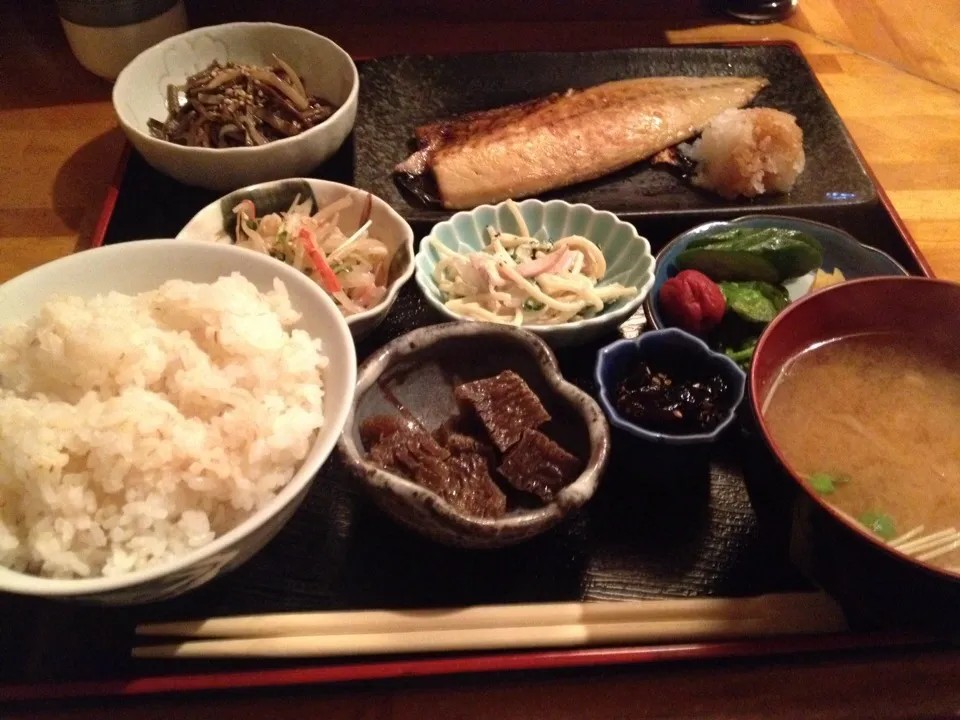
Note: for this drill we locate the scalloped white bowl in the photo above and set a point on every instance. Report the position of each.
(628, 256)
(327, 70)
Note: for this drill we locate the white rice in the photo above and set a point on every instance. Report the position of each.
(748, 152)
(135, 429)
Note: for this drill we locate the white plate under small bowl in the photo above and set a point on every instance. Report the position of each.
(140, 94)
(629, 259)
(144, 265)
(217, 223)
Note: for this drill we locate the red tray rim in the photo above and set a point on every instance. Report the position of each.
(462, 664)
(319, 674)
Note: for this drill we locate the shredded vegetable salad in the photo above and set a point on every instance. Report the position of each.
(522, 280)
(352, 269)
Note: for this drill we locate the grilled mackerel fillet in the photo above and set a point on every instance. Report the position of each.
(570, 137)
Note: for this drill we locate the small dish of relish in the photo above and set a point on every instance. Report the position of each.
(680, 400)
(667, 386)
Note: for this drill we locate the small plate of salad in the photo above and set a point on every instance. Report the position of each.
(351, 243)
(725, 281)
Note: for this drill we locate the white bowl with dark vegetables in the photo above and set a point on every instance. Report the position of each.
(236, 104)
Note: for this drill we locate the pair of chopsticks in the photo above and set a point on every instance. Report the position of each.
(497, 627)
(927, 547)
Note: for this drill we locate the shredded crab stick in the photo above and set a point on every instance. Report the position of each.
(327, 275)
(352, 269)
(520, 280)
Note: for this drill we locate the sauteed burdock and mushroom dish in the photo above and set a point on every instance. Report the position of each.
(232, 105)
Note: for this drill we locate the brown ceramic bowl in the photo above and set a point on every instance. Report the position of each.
(861, 571)
(418, 371)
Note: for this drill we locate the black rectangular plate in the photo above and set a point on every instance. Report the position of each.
(399, 93)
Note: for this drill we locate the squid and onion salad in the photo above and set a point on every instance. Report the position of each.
(518, 279)
(352, 268)
(233, 105)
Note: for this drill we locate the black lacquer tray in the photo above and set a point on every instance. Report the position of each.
(655, 528)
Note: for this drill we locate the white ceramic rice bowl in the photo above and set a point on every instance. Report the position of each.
(140, 266)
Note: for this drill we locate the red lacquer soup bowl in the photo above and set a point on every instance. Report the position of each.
(870, 579)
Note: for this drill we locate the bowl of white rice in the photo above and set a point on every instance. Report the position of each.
(164, 408)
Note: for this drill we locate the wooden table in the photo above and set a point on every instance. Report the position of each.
(891, 67)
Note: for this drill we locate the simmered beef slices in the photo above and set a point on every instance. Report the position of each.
(497, 425)
(460, 434)
(538, 465)
(459, 475)
(505, 405)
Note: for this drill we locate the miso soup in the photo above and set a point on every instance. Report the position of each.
(872, 422)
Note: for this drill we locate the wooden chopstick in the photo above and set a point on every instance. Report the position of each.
(497, 627)
(520, 615)
(478, 639)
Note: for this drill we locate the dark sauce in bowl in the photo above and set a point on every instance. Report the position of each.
(683, 400)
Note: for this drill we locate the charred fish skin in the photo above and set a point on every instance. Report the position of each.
(460, 130)
(567, 138)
